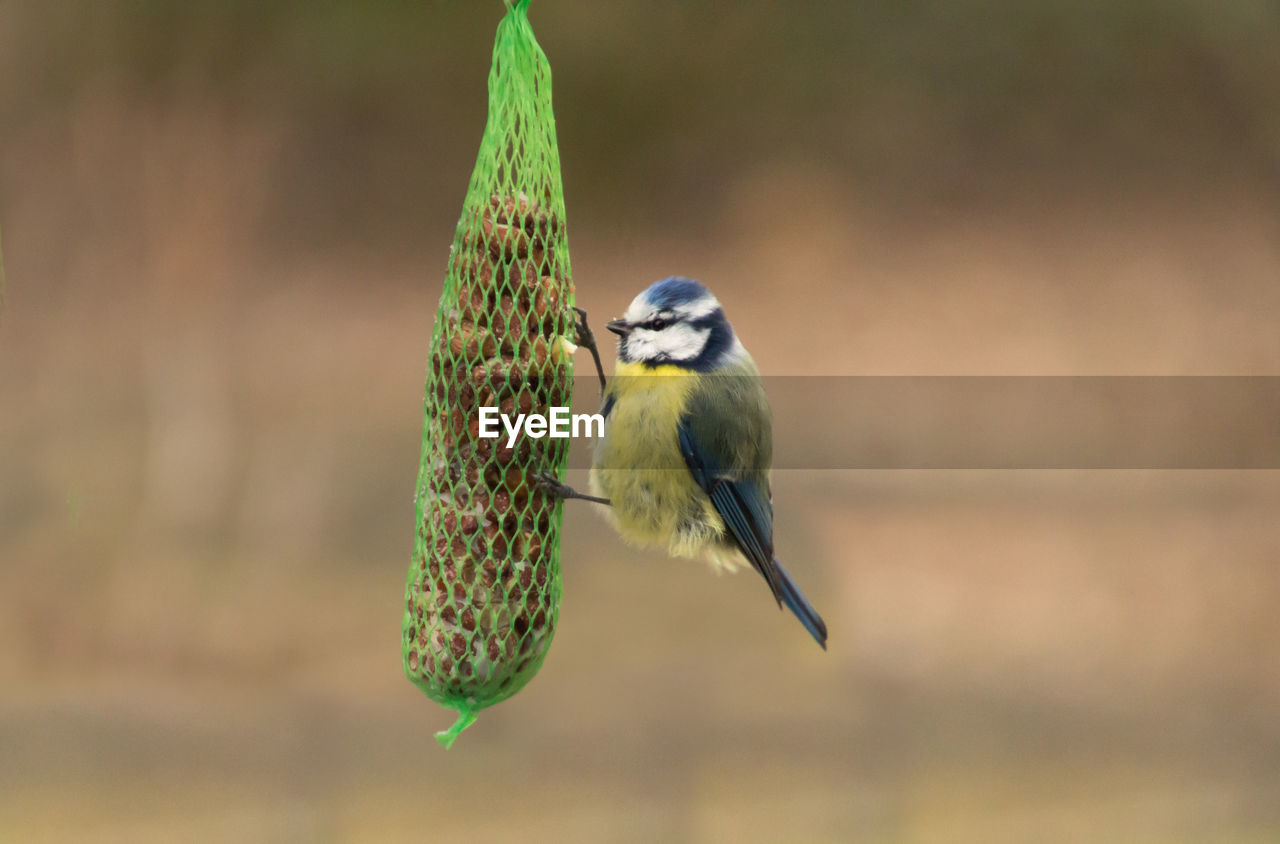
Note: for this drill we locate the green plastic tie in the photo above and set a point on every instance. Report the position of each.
(465, 719)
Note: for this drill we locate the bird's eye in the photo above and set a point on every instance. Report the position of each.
(658, 324)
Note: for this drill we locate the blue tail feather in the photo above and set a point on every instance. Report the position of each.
(796, 602)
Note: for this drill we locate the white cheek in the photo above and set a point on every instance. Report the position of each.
(641, 344)
(676, 342)
(681, 342)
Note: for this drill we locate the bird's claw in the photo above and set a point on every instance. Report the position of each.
(551, 485)
(587, 339)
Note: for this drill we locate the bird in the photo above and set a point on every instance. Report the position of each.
(684, 460)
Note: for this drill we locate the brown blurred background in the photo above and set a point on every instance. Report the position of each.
(225, 228)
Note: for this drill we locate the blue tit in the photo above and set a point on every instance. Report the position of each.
(685, 457)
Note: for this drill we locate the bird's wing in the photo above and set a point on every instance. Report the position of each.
(728, 455)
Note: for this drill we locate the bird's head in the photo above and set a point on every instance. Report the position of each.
(676, 321)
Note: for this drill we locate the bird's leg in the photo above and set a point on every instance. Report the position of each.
(587, 340)
(552, 486)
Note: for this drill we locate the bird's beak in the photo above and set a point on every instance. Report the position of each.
(619, 327)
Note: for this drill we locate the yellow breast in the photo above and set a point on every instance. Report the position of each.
(639, 467)
(641, 431)
(648, 402)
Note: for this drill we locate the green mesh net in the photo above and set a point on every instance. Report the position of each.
(483, 589)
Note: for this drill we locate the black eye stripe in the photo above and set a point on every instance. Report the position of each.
(657, 323)
(667, 318)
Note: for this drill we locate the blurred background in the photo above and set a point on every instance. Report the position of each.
(225, 229)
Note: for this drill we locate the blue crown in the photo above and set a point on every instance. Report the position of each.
(674, 291)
